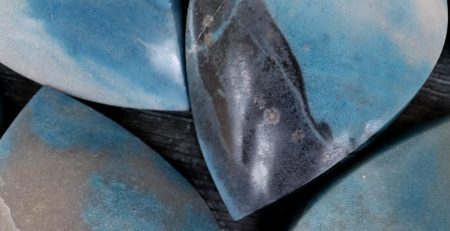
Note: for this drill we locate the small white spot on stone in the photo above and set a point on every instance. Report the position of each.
(271, 116)
(364, 177)
(260, 102)
(207, 20)
(306, 48)
(208, 39)
(298, 136)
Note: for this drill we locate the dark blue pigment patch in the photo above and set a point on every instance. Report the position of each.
(117, 206)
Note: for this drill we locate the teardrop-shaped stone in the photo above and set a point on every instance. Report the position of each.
(122, 53)
(282, 90)
(64, 166)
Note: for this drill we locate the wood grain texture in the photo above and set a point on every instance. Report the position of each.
(173, 136)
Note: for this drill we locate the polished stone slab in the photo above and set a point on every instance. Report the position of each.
(404, 187)
(282, 90)
(121, 53)
(64, 166)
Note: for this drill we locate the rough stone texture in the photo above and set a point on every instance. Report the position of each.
(65, 166)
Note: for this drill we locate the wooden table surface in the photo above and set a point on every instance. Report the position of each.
(173, 136)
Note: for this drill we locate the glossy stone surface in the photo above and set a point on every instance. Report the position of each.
(65, 166)
(120, 53)
(404, 187)
(283, 90)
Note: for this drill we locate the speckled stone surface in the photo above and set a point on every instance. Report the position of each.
(282, 90)
(404, 187)
(64, 166)
(120, 53)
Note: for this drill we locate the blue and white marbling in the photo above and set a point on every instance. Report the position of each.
(283, 90)
(362, 61)
(405, 187)
(120, 53)
(64, 166)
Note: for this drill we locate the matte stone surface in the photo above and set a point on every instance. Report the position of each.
(65, 166)
(405, 187)
(120, 53)
(283, 90)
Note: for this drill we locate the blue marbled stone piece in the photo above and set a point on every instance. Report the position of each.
(64, 166)
(405, 187)
(282, 90)
(122, 53)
